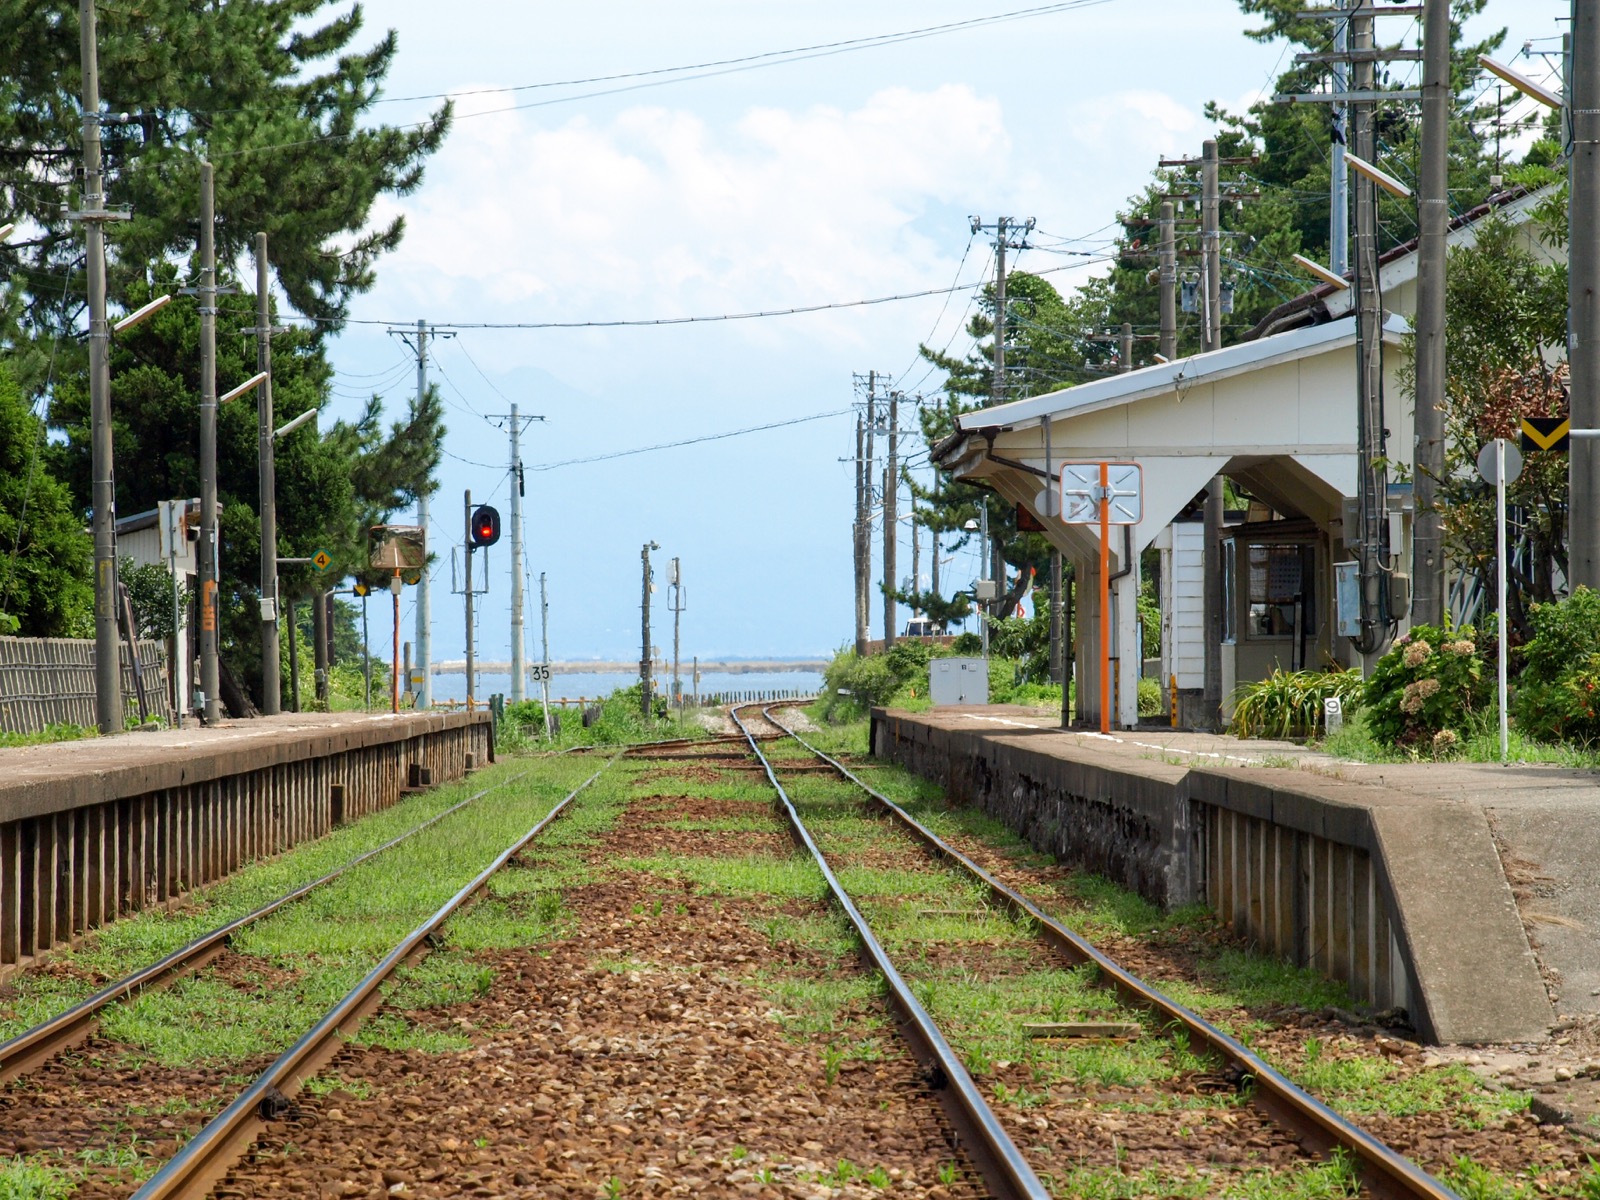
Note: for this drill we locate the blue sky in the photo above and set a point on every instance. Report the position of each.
(831, 179)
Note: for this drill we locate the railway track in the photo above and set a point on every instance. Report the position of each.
(632, 1053)
(1383, 1172)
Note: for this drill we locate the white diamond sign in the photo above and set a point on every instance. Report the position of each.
(1081, 492)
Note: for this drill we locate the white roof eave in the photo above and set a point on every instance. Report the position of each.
(1162, 378)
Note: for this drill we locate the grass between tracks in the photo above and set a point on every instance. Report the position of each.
(1248, 994)
(285, 972)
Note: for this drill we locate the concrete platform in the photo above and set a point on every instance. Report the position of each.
(1464, 892)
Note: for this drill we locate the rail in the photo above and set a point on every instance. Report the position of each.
(1386, 1173)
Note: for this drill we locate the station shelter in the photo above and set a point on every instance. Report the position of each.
(1278, 417)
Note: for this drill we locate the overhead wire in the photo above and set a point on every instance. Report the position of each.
(710, 437)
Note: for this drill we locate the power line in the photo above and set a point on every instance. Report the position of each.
(710, 437)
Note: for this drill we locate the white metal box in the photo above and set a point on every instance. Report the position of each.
(958, 681)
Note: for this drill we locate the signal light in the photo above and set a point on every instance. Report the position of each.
(485, 529)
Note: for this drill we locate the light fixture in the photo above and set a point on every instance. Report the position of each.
(1320, 271)
(139, 314)
(1530, 89)
(5, 230)
(285, 430)
(248, 385)
(1161, 358)
(1380, 177)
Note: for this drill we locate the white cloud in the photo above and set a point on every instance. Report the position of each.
(658, 212)
(1141, 123)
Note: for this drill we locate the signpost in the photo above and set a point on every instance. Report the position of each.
(396, 548)
(1107, 494)
(1500, 463)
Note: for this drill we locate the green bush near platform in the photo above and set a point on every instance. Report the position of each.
(1289, 704)
(898, 678)
(1427, 692)
(1558, 692)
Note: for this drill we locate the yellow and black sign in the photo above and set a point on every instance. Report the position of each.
(1546, 433)
(322, 560)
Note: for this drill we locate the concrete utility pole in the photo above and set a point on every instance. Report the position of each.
(267, 476)
(1168, 275)
(321, 634)
(424, 589)
(1583, 294)
(1339, 170)
(466, 509)
(207, 549)
(891, 520)
(859, 534)
(675, 578)
(1427, 536)
(544, 651)
(93, 214)
(1125, 348)
(1005, 230)
(519, 661)
(645, 663)
(1211, 263)
(866, 523)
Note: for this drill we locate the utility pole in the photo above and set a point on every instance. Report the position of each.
(1583, 294)
(514, 424)
(1005, 230)
(1210, 268)
(270, 668)
(916, 556)
(866, 520)
(466, 509)
(320, 635)
(859, 533)
(1427, 536)
(94, 214)
(891, 518)
(1125, 348)
(675, 578)
(418, 341)
(207, 549)
(1168, 275)
(1339, 173)
(544, 651)
(644, 633)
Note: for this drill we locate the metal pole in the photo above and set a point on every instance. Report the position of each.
(983, 532)
(271, 700)
(208, 445)
(544, 653)
(394, 659)
(366, 658)
(1210, 196)
(859, 533)
(319, 649)
(1125, 347)
(1500, 562)
(1168, 275)
(1583, 293)
(519, 661)
(466, 509)
(424, 635)
(1339, 185)
(1427, 537)
(891, 520)
(294, 659)
(1105, 598)
(107, 654)
(644, 634)
(174, 531)
(997, 385)
(677, 622)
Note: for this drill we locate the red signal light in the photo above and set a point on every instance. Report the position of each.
(485, 527)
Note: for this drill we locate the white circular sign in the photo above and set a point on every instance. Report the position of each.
(1047, 503)
(1487, 464)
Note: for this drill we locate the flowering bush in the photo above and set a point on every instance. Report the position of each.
(1558, 693)
(1424, 690)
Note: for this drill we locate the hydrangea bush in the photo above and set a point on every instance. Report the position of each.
(1424, 692)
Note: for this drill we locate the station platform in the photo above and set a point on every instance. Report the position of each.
(1461, 892)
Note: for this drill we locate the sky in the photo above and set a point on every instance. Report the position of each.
(839, 177)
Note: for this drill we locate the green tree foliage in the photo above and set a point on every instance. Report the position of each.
(45, 554)
(274, 92)
(331, 486)
(1558, 692)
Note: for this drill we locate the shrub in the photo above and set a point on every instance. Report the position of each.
(1151, 701)
(1288, 704)
(864, 682)
(967, 644)
(1425, 691)
(1557, 691)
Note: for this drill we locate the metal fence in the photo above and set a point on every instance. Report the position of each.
(50, 681)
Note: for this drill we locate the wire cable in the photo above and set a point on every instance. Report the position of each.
(710, 437)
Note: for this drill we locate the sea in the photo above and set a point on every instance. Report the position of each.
(591, 686)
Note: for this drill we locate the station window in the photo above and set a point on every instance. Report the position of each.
(1276, 589)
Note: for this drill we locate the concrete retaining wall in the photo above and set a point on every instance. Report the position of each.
(80, 847)
(1400, 897)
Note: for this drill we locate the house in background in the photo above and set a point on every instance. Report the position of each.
(167, 536)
